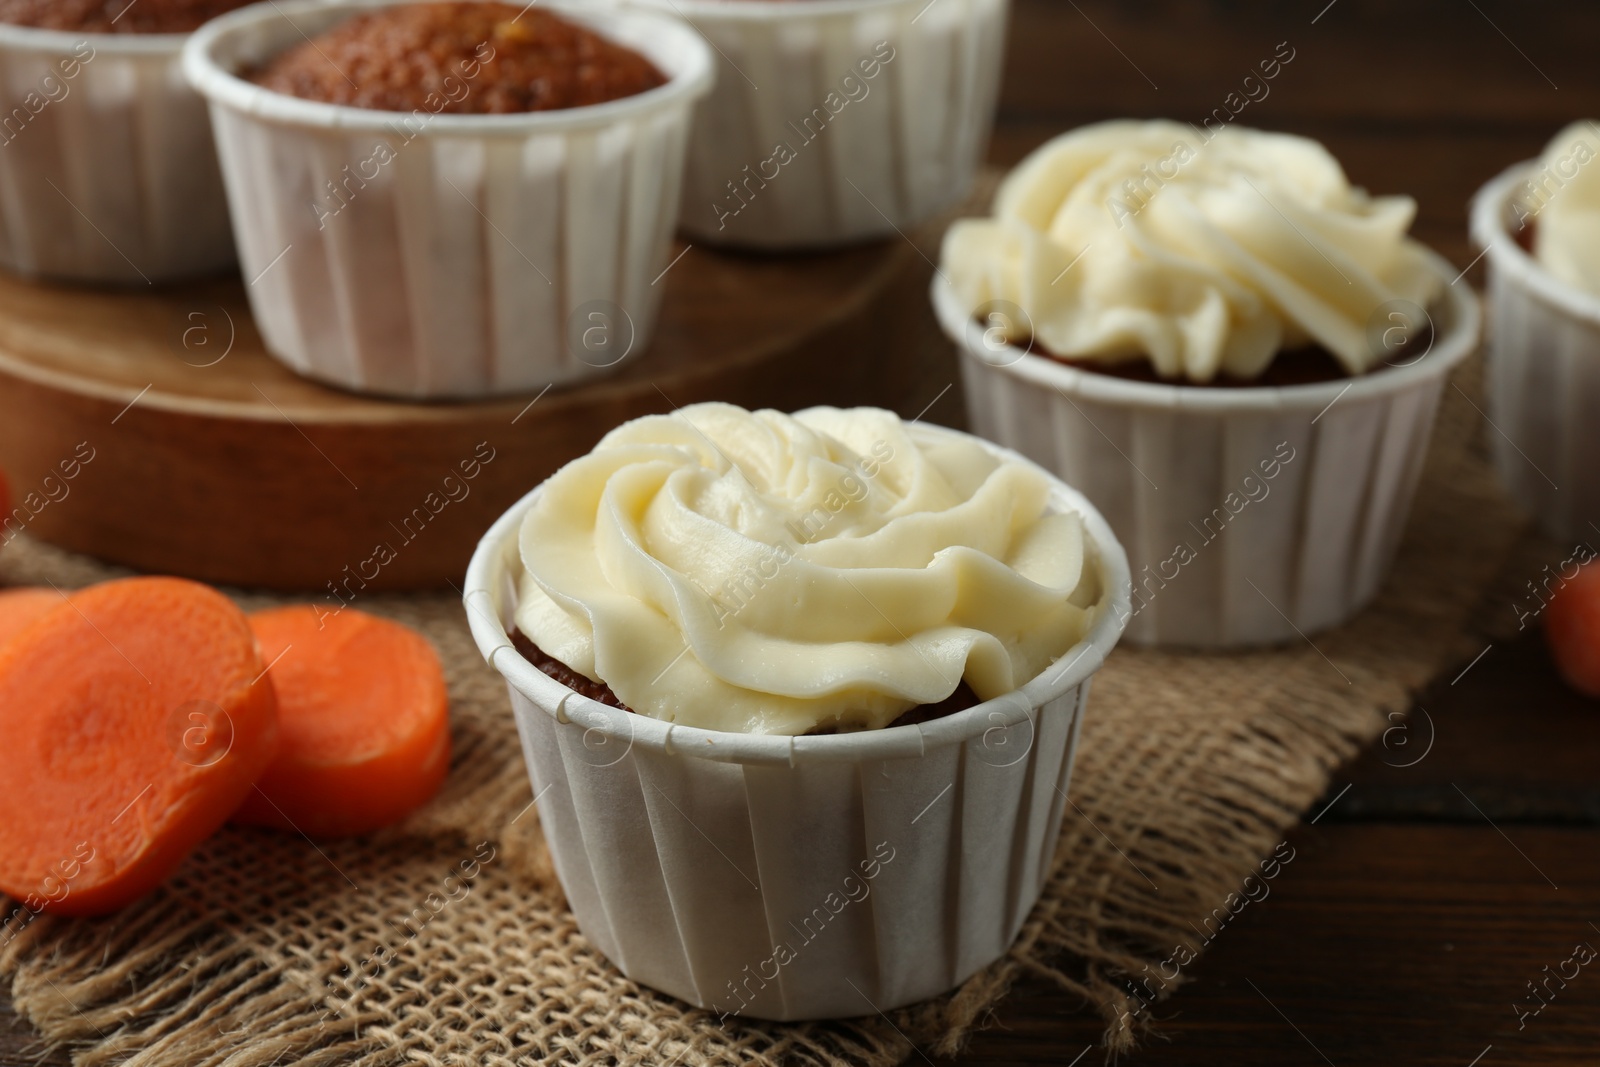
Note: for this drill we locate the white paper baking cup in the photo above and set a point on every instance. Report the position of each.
(462, 255)
(1544, 374)
(907, 146)
(109, 175)
(689, 856)
(1307, 549)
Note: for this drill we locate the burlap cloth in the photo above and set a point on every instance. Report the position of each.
(268, 949)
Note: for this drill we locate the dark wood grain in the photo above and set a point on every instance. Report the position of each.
(1508, 742)
(1383, 944)
(1410, 922)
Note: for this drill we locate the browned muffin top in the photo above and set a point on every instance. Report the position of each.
(459, 58)
(115, 16)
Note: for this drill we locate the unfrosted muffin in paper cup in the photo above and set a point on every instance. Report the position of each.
(465, 245)
(799, 697)
(1234, 354)
(106, 156)
(1539, 226)
(835, 121)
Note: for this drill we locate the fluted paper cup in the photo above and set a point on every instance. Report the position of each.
(107, 168)
(1544, 373)
(442, 255)
(868, 144)
(798, 877)
(1251, 516)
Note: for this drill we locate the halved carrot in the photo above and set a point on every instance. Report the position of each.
(20, 607)
(135, 717)
(365, 719)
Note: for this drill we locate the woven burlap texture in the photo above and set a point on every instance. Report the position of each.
(447, 941)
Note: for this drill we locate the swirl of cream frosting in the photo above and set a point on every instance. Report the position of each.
(1564, 193)
(767, 573)
(1207, 251)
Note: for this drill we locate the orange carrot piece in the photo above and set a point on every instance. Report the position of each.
(1572, 629)
(136, 716)
(20, 607)
(365, 720)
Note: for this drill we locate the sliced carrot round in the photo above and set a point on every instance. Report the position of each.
(365, 722)
(19, 608)
(1572, 628)
(136, 716)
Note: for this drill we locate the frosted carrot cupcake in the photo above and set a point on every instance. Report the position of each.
(730, 627)
(107, 153)
(1184, 322)
(1539, 223)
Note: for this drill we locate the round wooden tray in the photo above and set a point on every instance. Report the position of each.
(209, 459)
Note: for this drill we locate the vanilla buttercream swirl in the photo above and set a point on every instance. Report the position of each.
(767, 573)
(1205, 251)
(1564, 194)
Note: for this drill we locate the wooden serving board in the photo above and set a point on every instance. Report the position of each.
(207, 458)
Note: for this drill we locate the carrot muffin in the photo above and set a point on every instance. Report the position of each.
(115, 16)
(1193, 256)
(94, 103)
(479, 58)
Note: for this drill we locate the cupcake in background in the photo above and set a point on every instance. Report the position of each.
(107, 155)
(1559, 205)
(1539, 224)
(451, 200)
(1232, 351)
(837, 121)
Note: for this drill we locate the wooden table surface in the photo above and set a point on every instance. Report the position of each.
(1425, 898)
